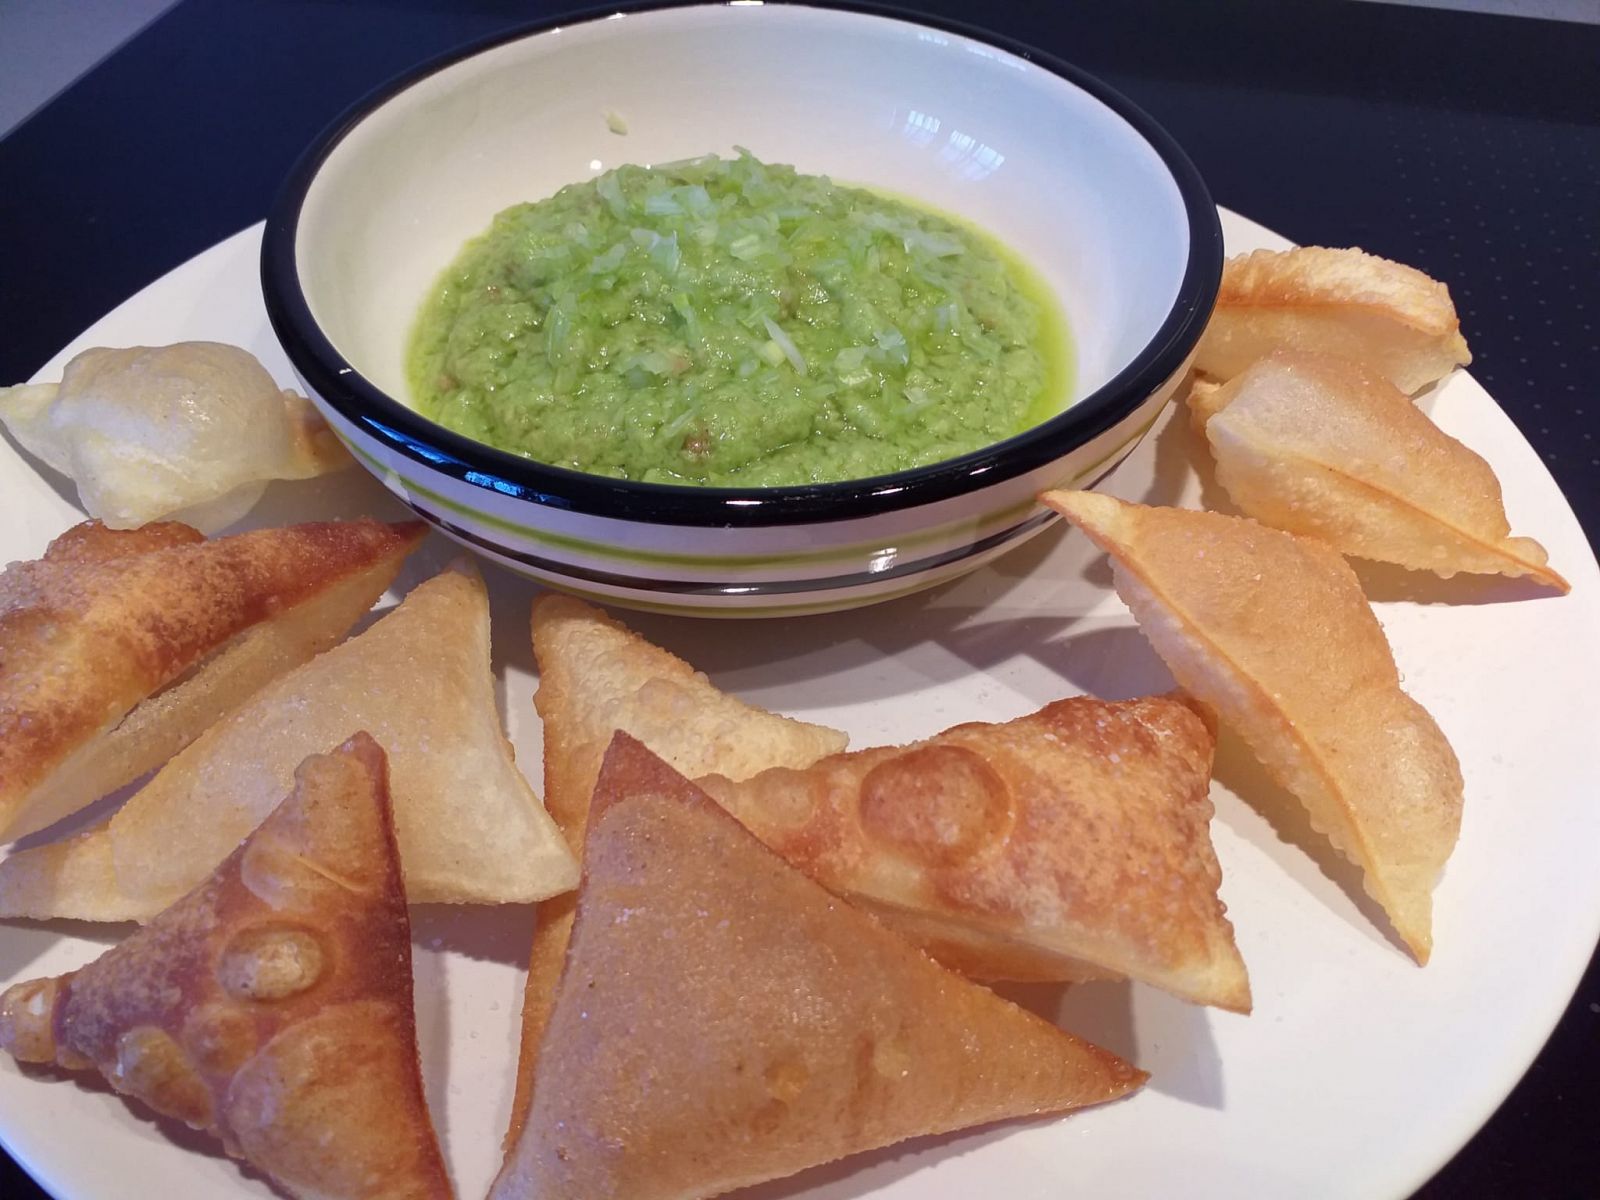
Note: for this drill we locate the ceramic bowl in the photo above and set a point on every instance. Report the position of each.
(1055, 164)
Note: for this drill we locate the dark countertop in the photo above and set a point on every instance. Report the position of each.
(1466, 145)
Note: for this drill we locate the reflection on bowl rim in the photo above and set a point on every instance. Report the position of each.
(369, 407)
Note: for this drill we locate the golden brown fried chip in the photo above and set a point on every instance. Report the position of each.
(1072, 843)
(1272, 631)
(117, 648)
(596, 676)
(1342, 302)
(270, 1007)
(1326, 447)
(723, 1020)
(471, 830)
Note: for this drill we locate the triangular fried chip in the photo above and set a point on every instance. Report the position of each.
(1273, 632)
(470, 828)
(596, 676)
(1342, 302)
(724, 1020)
(118, 648)
(191, 432)
(1072, 843)
(271, 1006)
(1327, 447)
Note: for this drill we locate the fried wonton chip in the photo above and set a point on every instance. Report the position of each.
(270, 1007)
(1069, 844)
(470, 828)
(724, 1020)
(1272, 631)
(1326, 447)
(117, 648)
(1342, 302)
(192, 432)
(596, 676)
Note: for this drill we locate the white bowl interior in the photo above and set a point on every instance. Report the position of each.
(939, 118)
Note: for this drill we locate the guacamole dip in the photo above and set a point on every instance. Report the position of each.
(728, 322)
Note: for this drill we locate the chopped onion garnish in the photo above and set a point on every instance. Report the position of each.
(912, 237)
(664, 253)
(557, 329)
(611, 192)
(657, 362)
(610, 260)
(681, 305)
(849, 359)
(786, 344)
(678, 423)
(892, 345)
(693, 197)
(933, 243)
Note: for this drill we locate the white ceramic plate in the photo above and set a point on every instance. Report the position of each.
(1359, 1073)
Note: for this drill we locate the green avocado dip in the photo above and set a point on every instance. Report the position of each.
(731, 323)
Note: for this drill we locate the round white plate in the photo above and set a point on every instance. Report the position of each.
(1359, 1073)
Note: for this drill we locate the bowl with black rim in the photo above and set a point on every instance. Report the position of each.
(1097, 199)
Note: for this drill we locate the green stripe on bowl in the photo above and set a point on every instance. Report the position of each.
(851, 552)
(725, 611)
(594, 549)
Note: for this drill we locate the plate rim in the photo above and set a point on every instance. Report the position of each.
(1531, 1035)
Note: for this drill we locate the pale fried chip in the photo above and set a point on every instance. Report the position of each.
(192, 432)
(1323, 446)
(596, 676)
(1272, 631)
(470, 828)
(724, 1020)
(1343, 302)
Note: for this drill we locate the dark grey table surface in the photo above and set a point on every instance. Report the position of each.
(1466, 145)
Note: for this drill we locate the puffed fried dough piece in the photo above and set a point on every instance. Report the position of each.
(1343, 302)
(723, 1019)
(471, 830)
(596, 676)
(118, 648)
(271, 1007)
(191, 432)
(1272, 632)
(1326, 447)
(1071, 843)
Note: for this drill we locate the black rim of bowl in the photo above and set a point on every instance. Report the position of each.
(394, 425)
